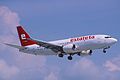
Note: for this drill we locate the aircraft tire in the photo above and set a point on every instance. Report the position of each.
(60, 55)
(69, 57)
(104, 51)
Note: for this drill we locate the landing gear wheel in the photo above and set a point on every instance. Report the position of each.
(70, 57)
(35, 54)
(79, 54)
(104, 51)
(60, 55)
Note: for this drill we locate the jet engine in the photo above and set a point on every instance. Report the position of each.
(70, 48)
(86, 52)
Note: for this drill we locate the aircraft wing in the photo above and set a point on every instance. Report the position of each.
(47, 45)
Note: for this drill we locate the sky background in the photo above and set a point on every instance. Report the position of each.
(58, 19)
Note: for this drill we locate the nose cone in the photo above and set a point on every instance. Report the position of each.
(114, 40)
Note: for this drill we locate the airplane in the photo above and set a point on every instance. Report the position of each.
(81, 46)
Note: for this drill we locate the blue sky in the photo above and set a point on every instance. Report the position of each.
(53, 20)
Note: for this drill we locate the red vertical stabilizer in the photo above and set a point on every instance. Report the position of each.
(24, 36)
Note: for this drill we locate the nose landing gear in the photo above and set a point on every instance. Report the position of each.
(104, 50)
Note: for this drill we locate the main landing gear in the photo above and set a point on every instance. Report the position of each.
(60, 55)
(70, 57)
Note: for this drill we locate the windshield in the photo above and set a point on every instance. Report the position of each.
(108, 37)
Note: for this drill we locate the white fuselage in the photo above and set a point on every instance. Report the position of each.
(90, 42)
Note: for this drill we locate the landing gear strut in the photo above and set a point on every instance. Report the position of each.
(70, 57)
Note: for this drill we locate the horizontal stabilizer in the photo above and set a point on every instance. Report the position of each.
(15, 46)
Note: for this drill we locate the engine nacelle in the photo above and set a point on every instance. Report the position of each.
(86, 52)
(70, 48)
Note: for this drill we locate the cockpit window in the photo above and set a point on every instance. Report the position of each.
(108, 37)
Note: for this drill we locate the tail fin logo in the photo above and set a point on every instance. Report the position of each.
(23, 37)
